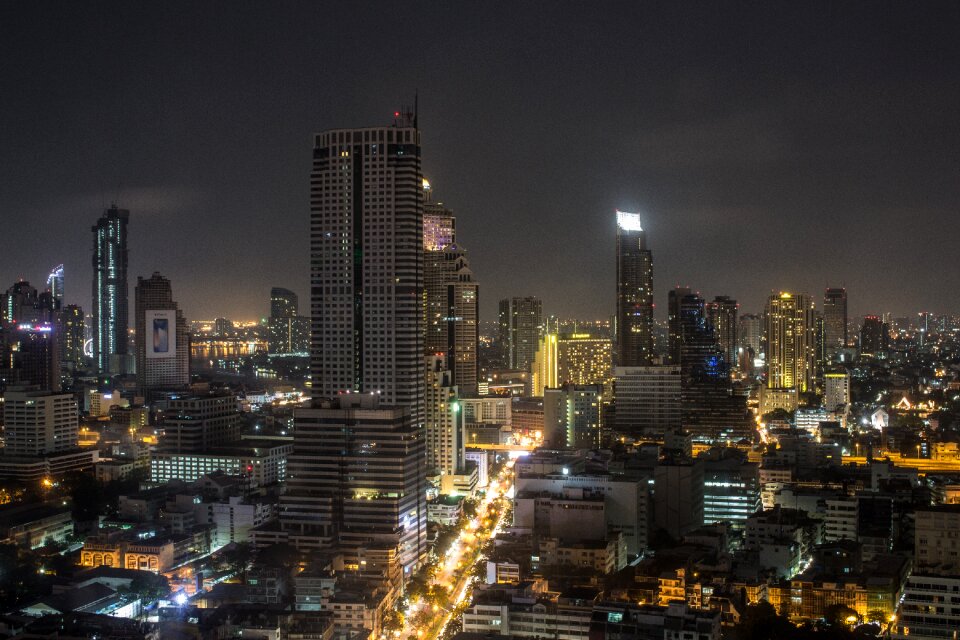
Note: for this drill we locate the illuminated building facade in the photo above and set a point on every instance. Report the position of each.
(521, 325)
(791, 344)
(648, 400)
(196, 424)
(583, 358)
(544, 374)
(110, 306)
(72, 336)
(162, 343)
(751, 335)
(834, 321)
(439, 223)
(288, 331)
(836, 390)
(30, 355)
(634, 293)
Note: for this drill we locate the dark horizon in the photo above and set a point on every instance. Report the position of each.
(768, 147)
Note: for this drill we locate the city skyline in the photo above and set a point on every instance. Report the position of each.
(810, 172)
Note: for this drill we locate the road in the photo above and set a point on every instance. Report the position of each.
(456, 568)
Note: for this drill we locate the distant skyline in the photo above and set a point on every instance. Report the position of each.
(774, 146)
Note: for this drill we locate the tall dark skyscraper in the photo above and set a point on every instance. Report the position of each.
(288, 331)
(874, 336)
(675, 312)
(521, 325)
(834, 321)
(110, 306)
(722, 317)
(634, 293)
(357, 474)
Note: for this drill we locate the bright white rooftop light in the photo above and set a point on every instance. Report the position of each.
(628, 221)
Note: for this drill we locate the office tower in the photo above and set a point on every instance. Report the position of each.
(223, 328)
(834, 321)
(544, 373)
(836, 392)
(110, 306)
(675, 299)
(634, 293)
(573, 416)
(874, 337)
(163, 355)
(30, 355)
(648, 400)
(55, 284)
(38, 422)
(21, 304)
(521, 325)
(72, 336)
(694, 345)
(444, 419)
(924, 327)
(790, 354)
(367, 350)
(452, 297)
(288, 331)
(819, 350)
(198, 423)
(583, 358)
(722, 317)
(731, 487)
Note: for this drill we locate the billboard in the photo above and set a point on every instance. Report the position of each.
(161, 328)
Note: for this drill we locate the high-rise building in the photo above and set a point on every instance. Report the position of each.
(648, 399)
(634, 293)
(874, 336)
(358, 472)
(55, 284)
(358, 483)
(834, 321)
(30, 355)
(544, 373)
(751, 334)
(38, 422)
(288, 331)
(722, 317)
(836, 390)
(583, 358)
(21, 304)
(72, 336)
(790, 342)
(198, 423)
(675, 301)
(452, 310)
(444, 419)
(162, 344)
(439, 223)
(573, 416)
(110, 306)
(521, 325)
(678, 496)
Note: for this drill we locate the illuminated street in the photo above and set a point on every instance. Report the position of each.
(455, 570)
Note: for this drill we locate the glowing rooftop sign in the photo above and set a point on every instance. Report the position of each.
(628, 221)
(39, 328)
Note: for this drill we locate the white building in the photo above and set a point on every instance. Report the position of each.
(836, 390)
(38, 422)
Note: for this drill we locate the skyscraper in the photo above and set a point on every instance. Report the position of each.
(583, 358)
(634, 293)
(39, 422)
(444, 419)
(722, 316)
(288, 331)
(791, 346)
(55, 284)
(544, 371)
(358, 477)
(452, 297)
(163, 355)
(72, 335)
(110, 306)
(521, 325)
(834, 321)
(874, 336)
(675, 298)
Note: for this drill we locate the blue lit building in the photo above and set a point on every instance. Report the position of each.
(110, 306)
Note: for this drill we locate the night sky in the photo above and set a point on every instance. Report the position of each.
(767, 145)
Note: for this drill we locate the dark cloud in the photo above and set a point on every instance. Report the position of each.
(768, 145)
